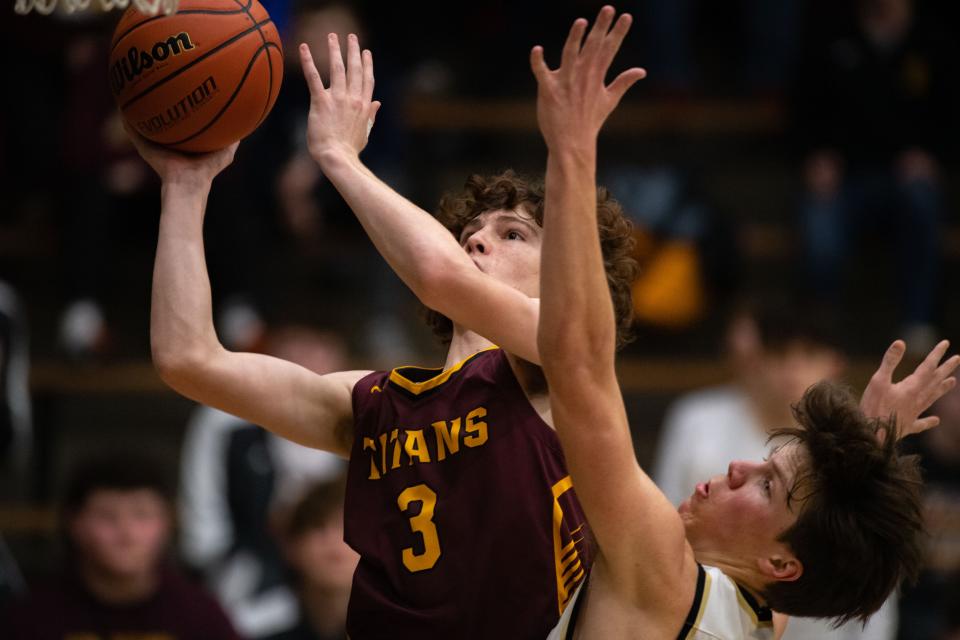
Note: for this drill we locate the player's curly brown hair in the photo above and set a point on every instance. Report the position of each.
(860, 524)
(509, 190)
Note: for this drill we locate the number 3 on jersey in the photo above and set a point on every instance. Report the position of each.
(421, 523)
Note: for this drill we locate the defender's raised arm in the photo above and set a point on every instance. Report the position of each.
(632, 520)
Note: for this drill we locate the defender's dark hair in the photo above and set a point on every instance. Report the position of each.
(510, 191)
(859, 530)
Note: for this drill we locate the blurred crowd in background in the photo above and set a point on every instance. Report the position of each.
(789, 168)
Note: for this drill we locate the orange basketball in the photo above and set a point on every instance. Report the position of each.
(200, 79)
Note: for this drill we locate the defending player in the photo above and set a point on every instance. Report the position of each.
(825, 527)
(458, 497)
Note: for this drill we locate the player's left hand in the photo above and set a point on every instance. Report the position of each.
(572, 101)
(913, 395)
(342, 114)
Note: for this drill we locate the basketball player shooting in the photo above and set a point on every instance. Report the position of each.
(454, 474)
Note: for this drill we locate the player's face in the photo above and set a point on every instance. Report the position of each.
(506, 245)
(322, 557)
(122, 533)
(738, 517)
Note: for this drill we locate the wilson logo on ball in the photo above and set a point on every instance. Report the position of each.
(128, 68)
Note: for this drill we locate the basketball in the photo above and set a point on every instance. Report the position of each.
(200, 79)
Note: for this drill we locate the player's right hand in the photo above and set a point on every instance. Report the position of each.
(176, 168)
(342, 114)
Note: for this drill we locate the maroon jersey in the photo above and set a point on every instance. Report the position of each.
(460, 505)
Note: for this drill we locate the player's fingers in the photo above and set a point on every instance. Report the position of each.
(624, 81)
(310, 73)
(599, 31)
(925, 423)
(611, 44)
(135, 137)
(571, 48)
(228, 153)
(354, 66)
(538, 64)
(926, 397)
(930, 363)
(337, 74)
(944, 387)
(372, 118)
(367, 75)
(891, 360)
(142, 145)
(948, 367)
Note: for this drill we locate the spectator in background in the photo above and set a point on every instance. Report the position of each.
(105, 189)
(768, 32)
(15, 423)
(686, 249)
(11, 581)
(322, 563)
(275, 199)
(237, 482)
(874, 110)
(16, 430)
(777, 350)
(928, 610)
(117, 523)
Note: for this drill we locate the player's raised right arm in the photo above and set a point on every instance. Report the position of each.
(286, 398)
(418, 248)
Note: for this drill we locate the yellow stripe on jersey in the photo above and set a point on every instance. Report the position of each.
(704, 596)
(751, 610)
(566, 558)
(417, 388)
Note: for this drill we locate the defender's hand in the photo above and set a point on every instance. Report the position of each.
(342, 115)
(572, 101)
(914, 394)
(196, 170)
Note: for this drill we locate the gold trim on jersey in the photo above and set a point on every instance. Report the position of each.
(703, 595)
(566, 557)
(416, 388)
(759, 615)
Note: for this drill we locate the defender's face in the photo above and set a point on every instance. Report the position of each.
(506, 245)
(123, 533)
(740, 515)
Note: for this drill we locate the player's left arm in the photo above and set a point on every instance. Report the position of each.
(417, 247)
(912, 396)
(640, 535)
